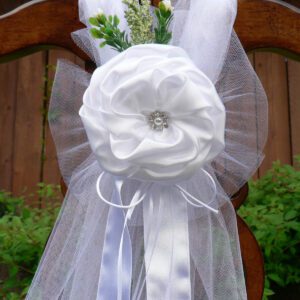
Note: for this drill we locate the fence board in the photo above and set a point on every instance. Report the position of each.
(7, 114)
(271, 68)
(294, 93)
(28, 124)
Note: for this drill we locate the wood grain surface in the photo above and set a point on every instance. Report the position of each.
(28, 123)
(294, 102)
(8, 82)
(272, 70)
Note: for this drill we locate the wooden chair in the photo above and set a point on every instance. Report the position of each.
(260, 24)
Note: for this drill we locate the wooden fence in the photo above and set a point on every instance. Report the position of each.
(27, 153)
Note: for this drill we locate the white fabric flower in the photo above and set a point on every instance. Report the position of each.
(127, 90)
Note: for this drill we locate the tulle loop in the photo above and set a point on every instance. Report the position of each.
(145, 189)
(138, 197)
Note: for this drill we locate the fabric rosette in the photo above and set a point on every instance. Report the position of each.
(143, 81)
(165, 135)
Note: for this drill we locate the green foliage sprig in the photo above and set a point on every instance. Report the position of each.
(106, 28)
(23, 234)
(273, 213)
(140, 22)
(164, 18)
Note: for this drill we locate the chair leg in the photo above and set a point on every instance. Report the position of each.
(252, 261)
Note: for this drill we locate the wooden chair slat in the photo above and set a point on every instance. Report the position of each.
(40, 24)
(266, 24)
(260, 24)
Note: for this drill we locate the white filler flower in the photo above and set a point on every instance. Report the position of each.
(99, 13)
(151, 114)
(168, 5)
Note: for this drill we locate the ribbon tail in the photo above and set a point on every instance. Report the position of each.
(117, 250)
(166, 239)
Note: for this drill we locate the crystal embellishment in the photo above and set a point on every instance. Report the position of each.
(158, 120)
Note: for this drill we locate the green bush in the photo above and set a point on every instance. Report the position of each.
(23, 233)
(273, 213)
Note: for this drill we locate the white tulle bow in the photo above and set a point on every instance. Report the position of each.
(176, 129)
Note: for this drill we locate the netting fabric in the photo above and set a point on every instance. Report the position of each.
(169, 246)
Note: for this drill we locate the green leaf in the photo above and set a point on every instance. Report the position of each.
(268, 292)
(93, 21)
(103, 44)
(291, 215)
(96, 33)
(108, 30)
(102, 19)
(276, 278)
(157, 13)
(116, 21)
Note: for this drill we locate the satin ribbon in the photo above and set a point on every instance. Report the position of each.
(167, 256)
(115, 275)
(139, 196)
(166, 242)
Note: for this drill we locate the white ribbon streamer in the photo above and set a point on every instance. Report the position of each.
(115, 275)
(159, 240)
(167, 253)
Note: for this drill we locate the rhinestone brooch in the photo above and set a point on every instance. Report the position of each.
(158, 120)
